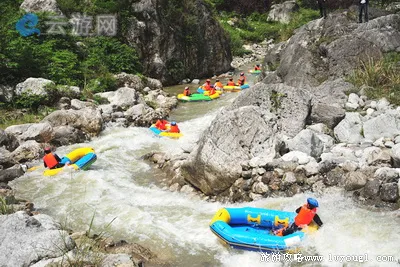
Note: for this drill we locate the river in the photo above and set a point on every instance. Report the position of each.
(122, 188)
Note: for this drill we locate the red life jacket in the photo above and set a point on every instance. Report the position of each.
(212, 91)
(174, 129)
(186, 92)
(305, 216)
(161, 124)
(50, 160)
(231, 83)
(257, 68)
(207, 86)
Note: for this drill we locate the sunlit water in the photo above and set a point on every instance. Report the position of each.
(121, 188)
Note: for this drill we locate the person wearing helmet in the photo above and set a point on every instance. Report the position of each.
(218, 85)
(161, 124)
(242, 79)
(174, 128)
(231, 82)
(207, 85)
(257, 67)
(305, 215)
(51, 160)
(186, 92)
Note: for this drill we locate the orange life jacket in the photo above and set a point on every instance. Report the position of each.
(241, 80)
(50, 160)
(207, 86)
(161, 124)
(174, 129)
(305, 216)
(218, 85)
(186, 92)
(257, 68)
(231, 83)
(212, 91)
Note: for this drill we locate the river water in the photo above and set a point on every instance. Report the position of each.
(123, 189)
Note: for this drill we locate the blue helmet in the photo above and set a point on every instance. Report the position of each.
(312, 201)
(173, 123)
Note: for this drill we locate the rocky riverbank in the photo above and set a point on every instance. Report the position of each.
(292, 133)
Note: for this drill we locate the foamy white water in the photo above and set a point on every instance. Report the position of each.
(121, 187)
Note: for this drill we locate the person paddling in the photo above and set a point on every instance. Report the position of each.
(51, 160)
(305, 215)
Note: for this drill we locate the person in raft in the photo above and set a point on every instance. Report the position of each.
(186, 92)
(161, 124)
(174, 128)
(212, 90)
(305, 215)
(51, 160)
(257, 67)
(242, 79)
(218, 85)
(231, 82)
(207, 85)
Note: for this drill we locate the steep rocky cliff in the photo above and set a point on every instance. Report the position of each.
(178, 39)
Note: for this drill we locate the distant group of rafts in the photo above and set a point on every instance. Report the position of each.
(208, 91)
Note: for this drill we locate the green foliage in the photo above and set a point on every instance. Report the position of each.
(5, 208)
(256, 28)
(381, 77)
(175, 68)
(31, 101)
(104, 83)
(8, 118)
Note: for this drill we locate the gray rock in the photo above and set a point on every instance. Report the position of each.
(397, 139)
(289, 178)
(78, 104)
(195, 81)
(389, 192)
(169, 49)
(88, 120)
(40, 132)
(8, 140)
(352, 106)
(122, 98)
(311, 168)
(296, 156)
(354, 98)
(10, 174)
(393, 7)
(395, 154)
(387, 174)
(67, 135)
(371, 189)
(349, 130)
(382, 104)
(27, 151)
(282, 12)
(334, 177)
(355, 180)
(389, 144)
(25, 241)
(6, 159)
(384, 125)
(370, 111)
(376, 156)
(34, 86)
(308, 142)
(349, 166)
(260, 188)
(64, 103)
(130, 80)
(320, 128)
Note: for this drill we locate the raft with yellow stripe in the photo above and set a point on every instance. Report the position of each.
(251, 229)
(80, 159)
(158, 132)
(236, 88)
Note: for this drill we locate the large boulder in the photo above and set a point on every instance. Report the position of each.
(10, 174)
(40, 132)
(8, 140)
(66, 135)
(6, 159)
(87, 120)
(349, 130)
(282, 12)
(169, 55)
(384, 125)
(33, 86)
(122, 99)
(246, 129)
(26, 241)
(333, 48)
(308, 142)
(27, 151)
(395, 154)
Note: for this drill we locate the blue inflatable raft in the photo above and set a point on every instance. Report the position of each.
(251, 229)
